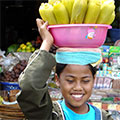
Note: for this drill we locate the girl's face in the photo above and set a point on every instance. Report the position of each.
(76, 83)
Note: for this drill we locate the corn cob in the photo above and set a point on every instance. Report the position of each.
(107, 10)
(68, 5)
(46, 13)
(60, 13)
(52, 1)
(82, 14)
(78, 8)
(94, 7)
(112, 17)
(103, 1)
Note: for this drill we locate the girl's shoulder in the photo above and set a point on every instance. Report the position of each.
(57, 109)
(105, 115)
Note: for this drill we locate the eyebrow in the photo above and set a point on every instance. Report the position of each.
(69, 76)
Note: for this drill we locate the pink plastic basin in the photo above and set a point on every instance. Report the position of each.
(79, 35)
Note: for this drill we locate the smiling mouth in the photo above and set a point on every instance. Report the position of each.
(77, 97)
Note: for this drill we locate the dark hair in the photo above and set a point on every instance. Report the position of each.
(60, 67)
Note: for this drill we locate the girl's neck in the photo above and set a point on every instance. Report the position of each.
(80, 110)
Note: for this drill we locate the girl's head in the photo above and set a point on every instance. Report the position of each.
(76, 83)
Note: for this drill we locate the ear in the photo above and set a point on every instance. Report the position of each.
(57, 81)
(94, 77)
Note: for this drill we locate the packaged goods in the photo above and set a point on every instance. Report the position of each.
(94, 7)
(60, 13)
(116, 84)
(78, 11)
(46, 12)
(103, 82)
(115, 115)
(114, 49)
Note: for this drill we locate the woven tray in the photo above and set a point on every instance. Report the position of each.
(12, 112)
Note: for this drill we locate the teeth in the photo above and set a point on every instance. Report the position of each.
(77, 96)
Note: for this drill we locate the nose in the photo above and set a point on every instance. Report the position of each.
(78, 86)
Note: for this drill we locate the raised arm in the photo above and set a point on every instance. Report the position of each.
(34, 98)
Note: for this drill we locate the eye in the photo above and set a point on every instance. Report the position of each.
(86, 81)
(70, 81)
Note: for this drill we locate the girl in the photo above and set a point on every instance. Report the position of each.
(75, 81)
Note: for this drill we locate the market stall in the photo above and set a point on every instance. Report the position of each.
(106, 91)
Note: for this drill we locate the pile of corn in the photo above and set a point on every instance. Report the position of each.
(78, 11)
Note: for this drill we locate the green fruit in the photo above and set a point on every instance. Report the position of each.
(12, 48)
(29, 43)
(28, 51)
(28, 48)
(24, 50)
(32, 49)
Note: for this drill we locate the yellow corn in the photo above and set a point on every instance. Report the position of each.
(60, 13)
(69, 5)
(107, 11)
(103, 1)
(93, 11)
(46, 13)
(111, 18)
(79, 6)
(82, 13)
(52, 1)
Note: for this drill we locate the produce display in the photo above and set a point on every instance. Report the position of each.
(26, 47)
(110, 66)
(12, 48)
(12, 76)
(78, 11)
(29, 46)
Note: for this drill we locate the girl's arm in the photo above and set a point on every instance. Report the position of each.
(45, 34)
(34, 98)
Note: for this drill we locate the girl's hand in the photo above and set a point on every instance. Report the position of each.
(45, 35)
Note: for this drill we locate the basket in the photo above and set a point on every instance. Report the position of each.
(9, 86)
(11, 112)
(79, 35)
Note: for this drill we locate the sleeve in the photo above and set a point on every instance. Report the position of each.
(34, 98)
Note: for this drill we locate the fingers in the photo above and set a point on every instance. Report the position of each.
(39, 22)
(45, 24)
